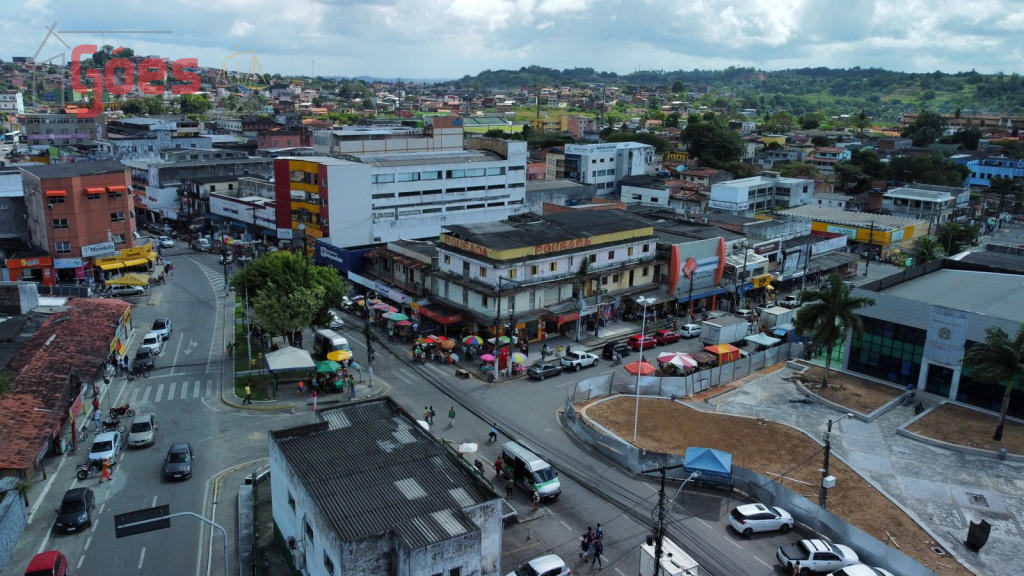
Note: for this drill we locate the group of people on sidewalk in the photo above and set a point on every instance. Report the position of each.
(592, 546)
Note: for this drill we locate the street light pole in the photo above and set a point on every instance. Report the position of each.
(823, 493)
(741, 276)
(497, 327)
(871, 239)
(643, 301)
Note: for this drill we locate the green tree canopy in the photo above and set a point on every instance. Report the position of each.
(193, 104)
(799, 170)
(926, 249)
(926, 128)
(709, 140)
(281, 282)
(828, 314)
(998, 359)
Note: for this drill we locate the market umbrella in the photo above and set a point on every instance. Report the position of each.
(518, 358)
(427, 340)
(375, 301)
(396, 316)
(681, 359)
(327, 366)
(455, 357)
(339, 355)
(467, 447)
(644, 368)
(403, 323)
(487, 357)
(472, 340)
(384, 307)
(438, 338)
(448, 344)
(725, 352)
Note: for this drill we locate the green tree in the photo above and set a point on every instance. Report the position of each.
(279, 308)
(811, 120)
(193, 104)
(926, 128)
(677, 87)
(926, 249)
(709, 140)
(850, 179)
(828, 314)
(799, 170)
(779, 123)
(998, 359)
(1005, 188)
(954, 237)
(317, 288)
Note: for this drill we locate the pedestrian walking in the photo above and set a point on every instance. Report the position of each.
(391, 335)
(451, 417)
(300, 388)
(492, 436)
(106, 470)
(535, 499)
(497, 466)
(590, 551)
(95, 403)
(426, 415)
(120, 365)
(97, 418)
(248, 394)
(796, 568)
(598, 532)
(509, 487)
(432, 414)
(598, 553)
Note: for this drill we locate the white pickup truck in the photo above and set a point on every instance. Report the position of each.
(815, 555)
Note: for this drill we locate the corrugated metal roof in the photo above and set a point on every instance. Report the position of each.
(375, 470)
(842, 217)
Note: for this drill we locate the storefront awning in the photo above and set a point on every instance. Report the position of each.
(136, 262)
(111, 265)
(439, 317)
(702, 294)
(129, 280)
(56, 193)
(94, 190)
(116, 188)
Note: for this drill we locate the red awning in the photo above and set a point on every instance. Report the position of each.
(94, 190)
(568, 317)
(116, 188)
(56, 193)
(439, 317)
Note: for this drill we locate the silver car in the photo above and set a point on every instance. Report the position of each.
(142, 432)
(550, 565)
(106, 446)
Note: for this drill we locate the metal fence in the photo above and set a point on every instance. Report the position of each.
(262, 517)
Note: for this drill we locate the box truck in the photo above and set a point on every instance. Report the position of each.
(775, 316)
(674, 561)
(723, 330)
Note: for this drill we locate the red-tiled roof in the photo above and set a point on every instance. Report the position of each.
(828, 150)
(74, 341)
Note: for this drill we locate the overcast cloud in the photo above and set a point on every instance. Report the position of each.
(452, 38)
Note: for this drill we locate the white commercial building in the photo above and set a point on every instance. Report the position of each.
(11, 102)
(605, 164)
(769, 191)
(937, 204)
(442, 133)
(377, 198)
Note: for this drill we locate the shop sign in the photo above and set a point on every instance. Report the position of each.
(101, 249)
(767, 248)
(64, 263)
(561, 245)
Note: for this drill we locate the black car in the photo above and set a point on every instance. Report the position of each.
(542, 370)
(75, 510)
(611, 347)
(144, 359)
(178, 463)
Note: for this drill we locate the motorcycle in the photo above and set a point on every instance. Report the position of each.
(135, 372)
(123, 410)
(89, 469)
(908, 398)
(113, 424)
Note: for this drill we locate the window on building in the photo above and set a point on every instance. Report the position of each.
(615, 278)
(534, 270)
(511, 273)
(553, 266)
(432, 175)
(484, 301)
(117, 216)
(476, 172)
(447, 259)
(118, 238)
(383, 178)
(455, 571)
(455, 174)
(644, 274)
(496, 171)
(328, 563)
(59, 223)
(309, 530)
(646, 248)
(408, 177)
(291, 501)
(483, 272)
(629, 251)
(611, 254)
(62, 247)
(604, 280)
(55, 199)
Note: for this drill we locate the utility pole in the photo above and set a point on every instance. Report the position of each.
(871, 238)
(807, 261)
(497, 326)
(369, 343)
(659, 528)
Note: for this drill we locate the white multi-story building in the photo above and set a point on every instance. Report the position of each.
(603, 165)
(937, 204)
(769, 191)
(11, 102)
(365, 199)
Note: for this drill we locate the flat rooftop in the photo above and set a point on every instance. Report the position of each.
(851, 218)
(536, 230)
(986, 293)
(423, 158)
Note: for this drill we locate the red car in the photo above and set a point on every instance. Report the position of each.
(663, 337)
(635, 343)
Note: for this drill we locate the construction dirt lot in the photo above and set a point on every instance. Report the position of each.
(773, 449)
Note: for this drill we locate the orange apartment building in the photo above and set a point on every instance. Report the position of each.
(77, 213)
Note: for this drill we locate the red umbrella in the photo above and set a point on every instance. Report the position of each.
(403, 323)
(644, 368)
(681, 359)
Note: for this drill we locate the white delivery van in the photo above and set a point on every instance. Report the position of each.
(529, 471)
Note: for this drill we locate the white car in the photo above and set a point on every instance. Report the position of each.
(689, 330)
(861, 570)
(153, 341)
(106, 446)
(577, 360)
(757, 517)
(162, 326)
(166, 242)
(550, 565)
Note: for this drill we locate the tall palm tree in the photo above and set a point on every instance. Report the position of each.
(998, 359)
(926, 249)
(828, 314)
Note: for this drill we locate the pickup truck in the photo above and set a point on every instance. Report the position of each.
(815, 555)
(791, 301)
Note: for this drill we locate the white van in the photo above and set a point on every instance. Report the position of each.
(326, 341)
(529, 471)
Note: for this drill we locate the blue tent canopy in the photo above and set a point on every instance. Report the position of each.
(708, 461)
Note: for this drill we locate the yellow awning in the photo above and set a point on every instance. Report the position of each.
(136, 262)
(111, 265)
(129, 280)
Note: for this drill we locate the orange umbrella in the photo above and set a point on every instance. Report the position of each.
(644, 368)
(725, 352)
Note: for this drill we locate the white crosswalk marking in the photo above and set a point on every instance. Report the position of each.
(196, 389)
(135, 396)
(145, 394)
(159, 393)
(170, 391)
(184, 390)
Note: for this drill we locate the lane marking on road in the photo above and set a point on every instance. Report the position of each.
(153, 505)
(533, 544)
(196, 389)
(135, 396)
(81, 558)
(170, 391)
(142, 556)
(145, 395)
(567, 527)
(767, 565)
(706, 525)
(733, 542)
(159, 393)
(87, 542)
(184, 389)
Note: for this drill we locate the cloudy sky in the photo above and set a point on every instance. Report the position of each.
(452, 38)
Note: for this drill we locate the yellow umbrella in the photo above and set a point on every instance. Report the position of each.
(339, 355)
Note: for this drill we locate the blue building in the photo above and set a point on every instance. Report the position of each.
(984, 169)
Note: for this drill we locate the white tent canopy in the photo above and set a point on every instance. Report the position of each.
(289, 358)
(763, 340)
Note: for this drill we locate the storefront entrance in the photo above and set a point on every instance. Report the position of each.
(939, 381)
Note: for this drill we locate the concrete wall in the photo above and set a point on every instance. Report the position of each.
(13, 520)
